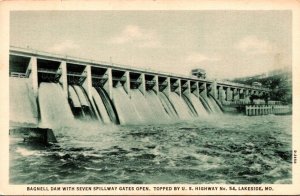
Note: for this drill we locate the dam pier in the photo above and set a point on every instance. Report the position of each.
(49, 91)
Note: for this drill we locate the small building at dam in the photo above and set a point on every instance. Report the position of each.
(48, 90)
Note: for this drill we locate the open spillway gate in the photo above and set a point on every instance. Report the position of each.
(86, 83)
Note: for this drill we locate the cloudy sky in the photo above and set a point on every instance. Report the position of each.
(226, 44)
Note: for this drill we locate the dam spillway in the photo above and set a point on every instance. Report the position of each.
(49, 91)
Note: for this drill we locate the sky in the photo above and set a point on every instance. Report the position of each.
(227, 44)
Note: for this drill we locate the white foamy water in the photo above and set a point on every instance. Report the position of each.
(205, 104)
(82, 97)
(224, 149)
(100, 106)
(125, 108)
(73, 96)
(190, 105)
(198, 105)
(181, 107)
(25, 152)
(168, 105)
(213, 105)
(22, 104)
(156, 106)
(142, 106)
(111, 111)
(54, 107)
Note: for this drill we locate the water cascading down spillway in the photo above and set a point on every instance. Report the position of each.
(152, 94)
(164, 91)
(209, 97)
(69, 92)
(23, 110)
(201, 91)
(139, 99)
(79, 94)
(135, 98)
(54, 108)
(184, 110)
(192, 98)
(102, 95)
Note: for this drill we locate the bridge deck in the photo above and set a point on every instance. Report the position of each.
(101, 64)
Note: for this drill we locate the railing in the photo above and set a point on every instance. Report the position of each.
(48, 71)
(228, 83)
(274, 103)
(281, 109)
(139, 81)
(18, 75)
(101, 77)
(150, 82)
(257, 110)
(236, 102)
(77, 74)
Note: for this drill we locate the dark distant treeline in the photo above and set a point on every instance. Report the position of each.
(281, 86)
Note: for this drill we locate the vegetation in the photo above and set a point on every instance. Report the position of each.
(281, 86)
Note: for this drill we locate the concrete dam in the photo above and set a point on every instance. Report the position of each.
(50, 91)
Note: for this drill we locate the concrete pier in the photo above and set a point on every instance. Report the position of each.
(222, 94)
(203, 89)
(194, 88)
(33, 74)
(175, 85)
(186, 87)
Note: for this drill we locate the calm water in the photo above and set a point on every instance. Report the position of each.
(219, 149)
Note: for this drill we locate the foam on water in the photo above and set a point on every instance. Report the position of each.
(236, 150)
(25, 152)
(87, 135)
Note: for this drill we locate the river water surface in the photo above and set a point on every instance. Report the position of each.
(217, 149)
